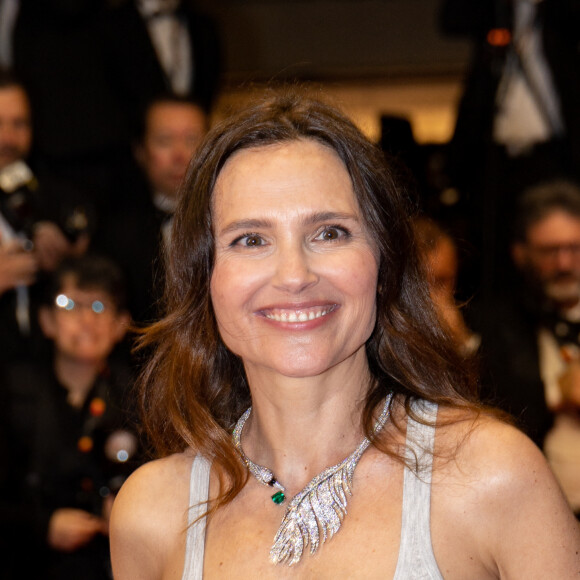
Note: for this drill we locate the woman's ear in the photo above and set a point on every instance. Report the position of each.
(46, 321)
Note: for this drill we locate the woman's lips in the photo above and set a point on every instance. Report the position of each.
(298, 314)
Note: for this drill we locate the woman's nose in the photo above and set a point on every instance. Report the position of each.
(294, 269)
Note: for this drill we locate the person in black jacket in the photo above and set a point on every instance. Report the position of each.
(91, 66)
(518, 121)
(161, 46)
(531, 342)
(41, 221)
(67, 438)
(171, 130)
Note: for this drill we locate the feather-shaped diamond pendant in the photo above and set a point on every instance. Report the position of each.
(316, 513)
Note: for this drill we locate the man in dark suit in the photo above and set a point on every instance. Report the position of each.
(40, 222)
(82, 135)
(162, 46)
(519, 117)
(172, 129)
(91, 67)
(531, 344)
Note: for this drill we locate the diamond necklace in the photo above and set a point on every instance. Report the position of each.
(315, 514)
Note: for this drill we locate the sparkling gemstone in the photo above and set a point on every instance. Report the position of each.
(278, 497)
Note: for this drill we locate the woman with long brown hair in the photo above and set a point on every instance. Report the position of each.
(314, 419)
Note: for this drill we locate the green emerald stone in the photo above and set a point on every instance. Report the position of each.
(278, 497)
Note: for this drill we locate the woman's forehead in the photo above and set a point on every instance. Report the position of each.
(263, 152)
(295, 172)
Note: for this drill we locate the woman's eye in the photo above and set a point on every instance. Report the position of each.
(331, 233)
(249, 241)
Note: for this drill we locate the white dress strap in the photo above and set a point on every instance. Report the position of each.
(195, 540)
(416, 557)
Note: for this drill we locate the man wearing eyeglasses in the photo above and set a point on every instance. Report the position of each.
(532, 348)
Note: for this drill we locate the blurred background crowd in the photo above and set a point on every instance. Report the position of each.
(102, 105)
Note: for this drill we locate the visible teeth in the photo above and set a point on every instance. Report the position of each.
(297, 316)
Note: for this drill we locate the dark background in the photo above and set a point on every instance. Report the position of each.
(333, 39)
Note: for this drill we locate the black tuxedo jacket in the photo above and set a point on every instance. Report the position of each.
(132, 237)
(560, 35)
(137, 67)
(90, 69)
(42, 468)
(511, 365)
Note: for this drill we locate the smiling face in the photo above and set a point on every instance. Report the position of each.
(84, 324)
(295, 274)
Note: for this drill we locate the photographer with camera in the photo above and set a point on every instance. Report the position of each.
(40, 222)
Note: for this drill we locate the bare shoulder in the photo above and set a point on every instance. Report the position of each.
(502, 489)
(148, 516)
(501, 457)
(166, 481)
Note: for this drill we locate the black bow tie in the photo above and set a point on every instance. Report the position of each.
(564, 331)
(162, 216)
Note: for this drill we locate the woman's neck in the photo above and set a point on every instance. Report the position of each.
(300, 426)
(77, 377)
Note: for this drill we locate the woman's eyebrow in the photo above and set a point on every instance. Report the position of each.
(308, 220)
(245, 224)
(328, 216)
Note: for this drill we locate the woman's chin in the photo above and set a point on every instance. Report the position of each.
(300, 365)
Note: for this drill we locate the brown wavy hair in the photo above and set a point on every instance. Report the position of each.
(193, 388)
